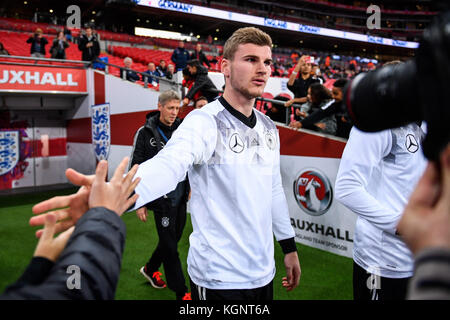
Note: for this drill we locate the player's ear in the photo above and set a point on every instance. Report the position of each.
(225, 67)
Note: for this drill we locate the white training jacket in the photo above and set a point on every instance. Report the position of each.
(377, 174)
(237, 202)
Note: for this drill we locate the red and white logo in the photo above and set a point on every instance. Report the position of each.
(38, 78)
(313, 192)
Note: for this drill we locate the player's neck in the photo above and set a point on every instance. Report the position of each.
(239, 102)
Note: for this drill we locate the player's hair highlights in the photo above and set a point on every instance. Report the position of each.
(245, 35)
(167, 96)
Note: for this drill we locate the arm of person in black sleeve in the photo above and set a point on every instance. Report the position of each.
(135, 76)
(205, 60)
(82, 43)
(96, 48)
(315, 117)
(35, 273)
(200, 81)
(95, 248)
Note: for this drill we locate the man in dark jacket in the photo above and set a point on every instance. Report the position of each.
(201, 82)
(38, 43)
(180, 57)
(200, 56)
(128, 74)
(89, 45)
(87, 265)
(169, 210)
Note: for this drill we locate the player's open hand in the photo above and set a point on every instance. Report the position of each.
(114, 195)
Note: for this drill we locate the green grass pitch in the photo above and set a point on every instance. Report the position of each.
(324, 275)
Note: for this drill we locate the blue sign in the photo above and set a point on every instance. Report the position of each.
(373, 39)
(101, 131)
(275, 23)
(308, 29)
(176, 6)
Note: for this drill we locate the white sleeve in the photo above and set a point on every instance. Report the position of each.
(281, 222)
(364, 152)
(192, 143)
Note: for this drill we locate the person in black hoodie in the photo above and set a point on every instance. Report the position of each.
(83, 262)
(201, 82)
(89, 46)
(169, 210)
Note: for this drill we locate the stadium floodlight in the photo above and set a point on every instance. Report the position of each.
(147, 32)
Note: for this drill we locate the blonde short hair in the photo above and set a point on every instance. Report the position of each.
(167, 96)
(242, 36)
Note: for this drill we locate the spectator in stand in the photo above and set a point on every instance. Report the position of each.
(3, 50)
(129, 75)
(200, 56)
(153, 73)
(343, 122)
(162, 68)
(319, 100)
(317, 74)
(188, 80)
(89, 45)
(180, 57)
(277, 112)
(38, 43)
(170, 71)
(58, 49)
(68, 34)
(187, 83)
(201, 82)
(299, 86)
(200, 102)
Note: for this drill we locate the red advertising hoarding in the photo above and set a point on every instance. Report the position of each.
(18, 78)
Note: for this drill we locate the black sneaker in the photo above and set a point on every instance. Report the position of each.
(154, 279)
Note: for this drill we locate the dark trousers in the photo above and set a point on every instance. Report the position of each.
(367, 286)
(258, 294)
(170, 223)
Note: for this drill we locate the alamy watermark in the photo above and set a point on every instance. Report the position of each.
(374, 21)
(74, 20)
(74, 280)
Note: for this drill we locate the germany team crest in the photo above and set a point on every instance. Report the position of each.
(101, 131)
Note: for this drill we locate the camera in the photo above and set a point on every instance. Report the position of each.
(410, 92)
